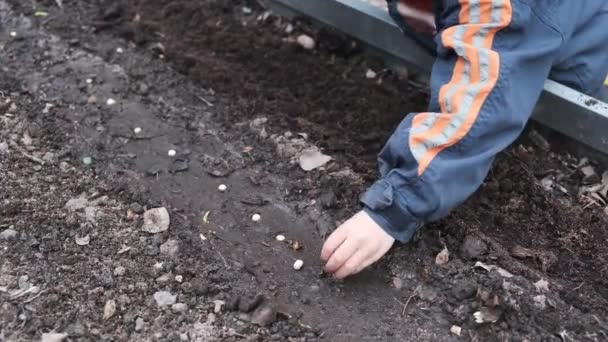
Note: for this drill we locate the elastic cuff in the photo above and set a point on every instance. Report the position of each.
(383, 205)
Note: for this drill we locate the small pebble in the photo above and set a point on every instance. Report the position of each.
(456, 330)
(306, 42)
(137, 130)
(222, 187)
(13, 34)
(298, 265)
(139, 324)
(89, 80)
(179, 278)
(247, 10)
(280, 238)
(87, 161)
(179, 307)
(370, 74)
(289, 29)
(111, 102)
(120, 50)
(256, 217)
(172, 153)
(120, 271)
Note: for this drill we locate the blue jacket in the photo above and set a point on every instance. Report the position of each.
(492, 59)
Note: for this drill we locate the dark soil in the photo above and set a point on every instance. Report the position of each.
(198, 77)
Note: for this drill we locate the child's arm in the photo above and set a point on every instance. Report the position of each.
(493, 59)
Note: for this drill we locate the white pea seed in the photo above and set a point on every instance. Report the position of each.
(13, 34)
(370, 74)
(172, 153)
(280, 238)
(179, 278)
(298, 265)
(120, 50)
(256, 217)
(222, 187)
(111, 102)
(137, 130)
(89, 80)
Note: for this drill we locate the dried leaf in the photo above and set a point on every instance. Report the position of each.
(489, 268)
(109, 309)
(521, 252)
(297, 245)
(313, 159)
(130, 214)
(443, 257)
(83, 241)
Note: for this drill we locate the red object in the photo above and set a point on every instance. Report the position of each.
(418, 14)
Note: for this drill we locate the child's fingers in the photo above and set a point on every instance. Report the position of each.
(341, 255)
(333, 242)
(353, 265)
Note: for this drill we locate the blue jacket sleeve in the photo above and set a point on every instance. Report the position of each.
(492, 60)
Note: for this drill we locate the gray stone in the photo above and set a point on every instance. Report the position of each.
(156, 220)
(463, 289)
(139, 324)
(164, 298)
(179, 307)
(120, 271)
(90, 214)
(8, 234)
(3, 148)
(77, 203)
(170, 248)
(264, 315)
(247, 304)
(77, 329)
(472, 248)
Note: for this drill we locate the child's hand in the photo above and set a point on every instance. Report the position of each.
(356, 244)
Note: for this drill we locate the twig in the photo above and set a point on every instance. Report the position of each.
(36, 296)
(204, 100)
(31, 157)
(218, 252)
(591, 201)
(23, 292)
(414, 294)
(578, 287)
